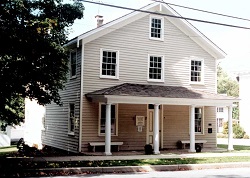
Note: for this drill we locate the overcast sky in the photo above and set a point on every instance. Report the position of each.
(235, 42)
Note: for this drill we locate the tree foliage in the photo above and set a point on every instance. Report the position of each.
(33, 61)
(226, 85)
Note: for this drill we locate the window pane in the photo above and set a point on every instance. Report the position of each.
(198, 119)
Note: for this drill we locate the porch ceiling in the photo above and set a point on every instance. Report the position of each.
(156, 94)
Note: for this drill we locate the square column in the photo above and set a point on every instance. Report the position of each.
(230, 128)
(192, 129)
(156, 129)
(108, 131)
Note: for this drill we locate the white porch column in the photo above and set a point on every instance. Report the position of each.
(230, 129)
(156, 129)
(192, 129)
(108, 131)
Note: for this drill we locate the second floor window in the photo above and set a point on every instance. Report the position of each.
(72, 64)
(156, 28)
(196, 71)
(155, 69)
(109, 64)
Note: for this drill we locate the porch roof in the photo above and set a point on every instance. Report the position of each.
(157, 94)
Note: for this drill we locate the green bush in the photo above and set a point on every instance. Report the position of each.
(237, 130)
(246, 136)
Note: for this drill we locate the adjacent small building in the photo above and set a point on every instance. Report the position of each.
(244, 104)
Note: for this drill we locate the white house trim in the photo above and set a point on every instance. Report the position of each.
(162, 100)
(156, 129)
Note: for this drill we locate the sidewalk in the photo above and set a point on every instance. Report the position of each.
(131, 157)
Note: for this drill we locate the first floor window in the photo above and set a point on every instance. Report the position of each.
(71, 118)
(103, 119)
(198, 120)
(196, 71)
(220, 122)
(156, 65)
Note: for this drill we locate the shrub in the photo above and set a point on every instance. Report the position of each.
(237, 130)
(225, 128)
(246, 136)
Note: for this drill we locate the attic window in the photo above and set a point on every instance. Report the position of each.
(156, 28)
(196, 73)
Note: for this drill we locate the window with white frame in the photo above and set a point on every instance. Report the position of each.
(102, 119)
(156, 28)
(73, 59)
(220, 109)
(71, 126)
(196, 71)
(198, 116)
(156, 68)
(109, 64)
(220, 122)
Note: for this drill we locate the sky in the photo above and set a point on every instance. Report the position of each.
(233, 41)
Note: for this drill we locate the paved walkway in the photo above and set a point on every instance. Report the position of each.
(139, 155)
(245, 142)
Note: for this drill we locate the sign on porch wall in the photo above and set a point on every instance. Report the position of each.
(140, 120)
(139, 128)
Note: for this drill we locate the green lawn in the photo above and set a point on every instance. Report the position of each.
(5, 151)
(237, 148)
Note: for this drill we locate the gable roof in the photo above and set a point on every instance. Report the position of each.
(129, 92)
(163, 8)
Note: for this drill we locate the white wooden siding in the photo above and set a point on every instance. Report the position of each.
(56, 123)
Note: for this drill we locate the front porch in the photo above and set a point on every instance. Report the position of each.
(198, 118)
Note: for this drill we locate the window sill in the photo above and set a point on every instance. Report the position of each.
(156, 81)
(107, 77)
(103, 135)
(156, 39)
(196, 83)
(71, 133)
(73, 77)
(199, 133)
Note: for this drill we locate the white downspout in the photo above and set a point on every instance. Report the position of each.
(81, 100)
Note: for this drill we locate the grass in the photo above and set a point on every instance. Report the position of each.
(237, 148)
(5, 151)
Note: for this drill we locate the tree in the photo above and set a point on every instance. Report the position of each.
(33, 61)
(226, 85)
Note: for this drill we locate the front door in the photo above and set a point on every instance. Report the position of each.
(150, 127)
